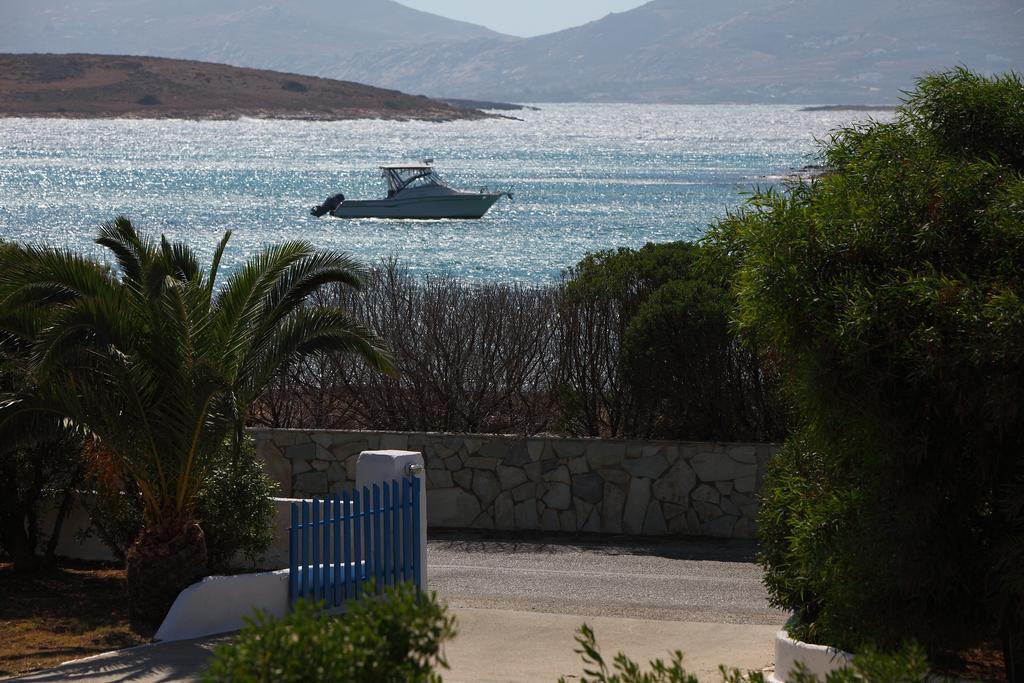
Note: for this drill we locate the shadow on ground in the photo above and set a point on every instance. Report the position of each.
(176, 661)
(676, 548)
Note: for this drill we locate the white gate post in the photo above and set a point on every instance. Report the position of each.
(377, 467)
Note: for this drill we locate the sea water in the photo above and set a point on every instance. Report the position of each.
(585, 177)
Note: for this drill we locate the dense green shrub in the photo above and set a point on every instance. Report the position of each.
(396, 639)
(662, 359)
(115, 511)
(234, 508)
(891, 293)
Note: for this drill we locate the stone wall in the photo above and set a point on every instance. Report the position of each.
(532, 483)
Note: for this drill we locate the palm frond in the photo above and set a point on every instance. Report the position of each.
(131, 251)
(293, 288)
(309, 331)
(180, 260)
(239, 305)
(24, 420)
(218, 254)
(40, 275)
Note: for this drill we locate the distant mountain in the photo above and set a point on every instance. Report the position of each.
(797, 51)
(314, 37)
(97, 86)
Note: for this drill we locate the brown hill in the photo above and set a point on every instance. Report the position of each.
(99, 86)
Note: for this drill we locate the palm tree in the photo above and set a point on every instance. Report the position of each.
(160, 364)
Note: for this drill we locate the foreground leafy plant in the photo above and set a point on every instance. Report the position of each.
(392, 640)
(907, 666)
(624, 669)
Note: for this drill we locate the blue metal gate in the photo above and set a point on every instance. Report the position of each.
(338, 543)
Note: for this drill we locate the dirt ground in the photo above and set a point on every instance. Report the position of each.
(61, 613)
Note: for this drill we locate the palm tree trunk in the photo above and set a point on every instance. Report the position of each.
(17, 543)
(66, 501)
(165, 559)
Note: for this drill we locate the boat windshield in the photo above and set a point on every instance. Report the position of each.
(401, 177)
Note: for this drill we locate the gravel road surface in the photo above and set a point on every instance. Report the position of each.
(703, 580)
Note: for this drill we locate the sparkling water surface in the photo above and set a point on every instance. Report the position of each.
(585, 177)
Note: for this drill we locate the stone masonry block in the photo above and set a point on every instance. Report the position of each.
(486, 486)
(504, 515)
(558, 496)
(510, 477)
(743, 454)
(310, 484)
(711, 466)
(654, 521)
(588, 487)
(649, 467)
(302, 451)
(636, 506)
(451, 507)
(463, 479)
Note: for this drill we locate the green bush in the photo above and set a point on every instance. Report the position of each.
(396, 639)
(234, 508)
(115, 511)
(690, 373)
(891, 294)
(664, 360)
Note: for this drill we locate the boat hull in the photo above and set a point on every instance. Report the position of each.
(463, 206)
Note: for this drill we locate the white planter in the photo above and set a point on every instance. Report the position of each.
(819, 659)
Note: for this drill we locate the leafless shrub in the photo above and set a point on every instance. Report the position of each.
(470, 357)
(502, 358)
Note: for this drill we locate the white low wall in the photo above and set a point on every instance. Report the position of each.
(219, 604)
(78, 539)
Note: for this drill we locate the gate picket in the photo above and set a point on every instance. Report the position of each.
(337, 543)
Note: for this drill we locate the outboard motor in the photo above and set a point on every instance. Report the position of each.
(330, 204)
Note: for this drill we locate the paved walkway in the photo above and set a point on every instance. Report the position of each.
(502, 645)
(492, 645)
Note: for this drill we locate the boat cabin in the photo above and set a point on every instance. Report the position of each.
(402, 176)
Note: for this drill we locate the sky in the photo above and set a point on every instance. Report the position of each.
(524, 17)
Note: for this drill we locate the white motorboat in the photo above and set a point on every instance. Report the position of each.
(414, 191)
